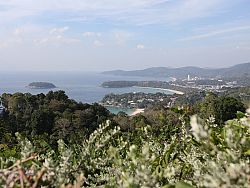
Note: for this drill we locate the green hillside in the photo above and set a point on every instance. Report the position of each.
(234, 71)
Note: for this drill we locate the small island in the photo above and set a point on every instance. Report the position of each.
(41, 85)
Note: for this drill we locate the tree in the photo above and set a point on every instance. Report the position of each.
(227, 108)
(63, 129)
(42, 121)
(222, 108)
(58, 95)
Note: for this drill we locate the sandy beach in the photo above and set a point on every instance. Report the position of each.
(137, 111)
(171, 90)
(174, 91)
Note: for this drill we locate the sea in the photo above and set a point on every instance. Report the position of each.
(81, 86)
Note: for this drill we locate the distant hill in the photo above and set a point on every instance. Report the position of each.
(237, 71)
(234, 71)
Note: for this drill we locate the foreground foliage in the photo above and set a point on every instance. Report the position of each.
(52, 117)
(200, 155)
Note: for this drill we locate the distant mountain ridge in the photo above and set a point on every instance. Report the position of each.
(182, 72)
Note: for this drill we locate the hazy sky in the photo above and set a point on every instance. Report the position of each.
(122, 34)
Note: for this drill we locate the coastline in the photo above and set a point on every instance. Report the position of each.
(156, 88)
(137, 111)
(129, 111)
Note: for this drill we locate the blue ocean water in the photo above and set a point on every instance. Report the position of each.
(80, 86)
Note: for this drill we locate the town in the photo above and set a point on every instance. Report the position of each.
(138, 100)
(185, 91)
(216, 84)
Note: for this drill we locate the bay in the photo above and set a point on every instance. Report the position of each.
(81, 86)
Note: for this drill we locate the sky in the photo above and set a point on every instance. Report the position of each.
(99, 35)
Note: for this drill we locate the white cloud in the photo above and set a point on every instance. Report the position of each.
(59, 30)
(98, 43)
(18, 31)
(131, 11)
(140, 46)
(215, 33)
(55, 36)
(91, 34)
(243, 48)
(41, 41)
(82, 8)
(26, 30)
(191, 9)
(121, 37)
(116, 21)
(75, 5)
(13, 37)
(58, 39)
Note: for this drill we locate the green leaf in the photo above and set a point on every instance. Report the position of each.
(247, 152)
(183, 185)
(240, 115)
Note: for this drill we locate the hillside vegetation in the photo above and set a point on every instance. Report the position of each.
(52, 141)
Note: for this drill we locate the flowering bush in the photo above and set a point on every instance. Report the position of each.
(201, 155)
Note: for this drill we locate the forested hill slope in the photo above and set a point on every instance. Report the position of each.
(234, 71)
(52, 141)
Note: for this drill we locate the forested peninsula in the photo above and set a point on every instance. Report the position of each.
(150, 84)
